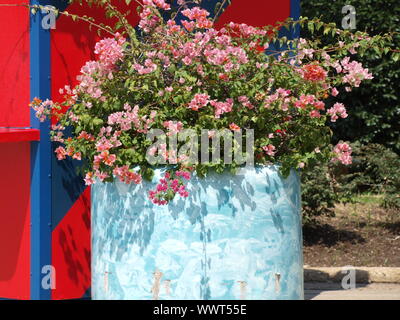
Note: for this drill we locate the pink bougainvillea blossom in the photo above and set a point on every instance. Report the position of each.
(269, 150)
(246, 102)
(173, 127)
(126, 175)
(222, 107)
(170, 184)
(338, 110)
(234, 127)
(200, 100)
(342, 153)
(313, 72)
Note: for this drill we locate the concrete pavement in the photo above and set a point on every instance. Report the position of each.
(334, 291)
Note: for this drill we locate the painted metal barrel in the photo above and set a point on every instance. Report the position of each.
(236, 237)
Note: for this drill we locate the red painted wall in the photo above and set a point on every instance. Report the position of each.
(14, 157)
(14, 65)
(257, 13)
(72, 44)
(71, 251)
(14, 220)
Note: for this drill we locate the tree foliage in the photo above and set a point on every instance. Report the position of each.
(375, 108)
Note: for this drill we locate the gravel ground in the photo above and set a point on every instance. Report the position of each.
(361, 234)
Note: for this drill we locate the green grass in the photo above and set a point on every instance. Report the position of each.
(368, 198)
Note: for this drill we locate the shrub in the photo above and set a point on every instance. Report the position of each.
(374, 169)
(375, 115)
(319, 193)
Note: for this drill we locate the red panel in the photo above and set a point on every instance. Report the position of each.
(257, 13)
(14, 220)
(14, 65)
(71, 251)
(72, 44)
(17, 135)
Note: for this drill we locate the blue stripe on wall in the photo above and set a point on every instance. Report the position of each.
(295, 14)
(40, 157)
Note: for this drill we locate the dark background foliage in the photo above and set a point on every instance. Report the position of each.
(374, 108)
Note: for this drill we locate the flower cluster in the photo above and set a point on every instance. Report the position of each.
(338, 110)
(175, 75)
(169, 186)
(342, 153)
(313, 72)
(42, 108)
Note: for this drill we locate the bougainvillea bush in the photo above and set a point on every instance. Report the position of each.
(176, 74)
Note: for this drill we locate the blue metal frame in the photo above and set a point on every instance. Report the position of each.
(295, 14)
(40, 157)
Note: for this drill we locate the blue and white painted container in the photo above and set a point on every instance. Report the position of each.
(236, 237)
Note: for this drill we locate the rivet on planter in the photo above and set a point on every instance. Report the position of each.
(106, 273)
(243, 290)
(167, 286)
(277, 282)
(156, 285)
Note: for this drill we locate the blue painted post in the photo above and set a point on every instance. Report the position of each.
(295, 15)
(40, 157)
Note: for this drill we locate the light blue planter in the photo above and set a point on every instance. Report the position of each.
(235, 237)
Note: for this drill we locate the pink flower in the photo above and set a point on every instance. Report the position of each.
(108, 158)
(152, 151)
(169, 184)
(313, 72)
(338, 110)
(103, 144)
(269, 150)
(355, 73)
(189, 25)
(342, 153)
(183, 174)
(173, 127)
(89, 178)
(234, 127)
(61, 153)
(157, 3)
(195, 13)
(110, 51)
(222, 107)
(101, 175)
(245, 102)
(77, 156)
(200, 100)
(42, 108)
(149, 67)
(315, 114)
(126, 175)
